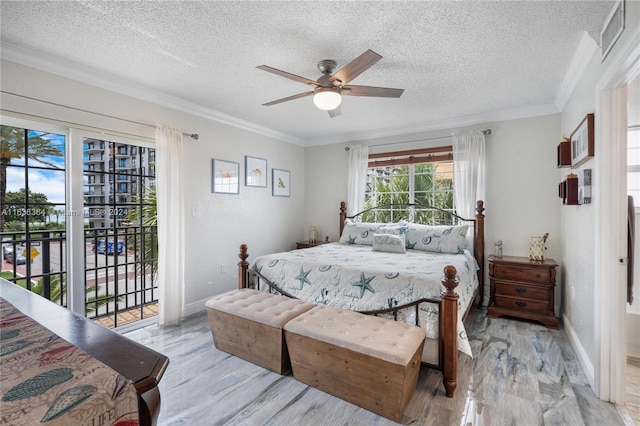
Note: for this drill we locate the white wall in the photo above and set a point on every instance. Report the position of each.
(222, 221)
(522, 183)
(579, 223)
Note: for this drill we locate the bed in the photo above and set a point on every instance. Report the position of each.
(425, 275)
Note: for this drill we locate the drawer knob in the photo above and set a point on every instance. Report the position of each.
(538, 275)
(521, 304)
(521, 290)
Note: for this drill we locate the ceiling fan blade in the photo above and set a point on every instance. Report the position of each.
(289, 98)
(355, 67)
(288, 75)
(334, 112)
(381, 92)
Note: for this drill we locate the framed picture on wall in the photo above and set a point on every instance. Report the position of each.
(584, 186)
(281, 182)
(582, 145)
(225, 176)
(255, 171)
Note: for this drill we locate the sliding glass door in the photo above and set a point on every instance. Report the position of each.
(33, 209)
(120, 232)
(78, 220)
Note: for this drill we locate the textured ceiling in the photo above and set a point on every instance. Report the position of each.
(455, 59)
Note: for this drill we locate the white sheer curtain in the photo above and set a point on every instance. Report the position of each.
(169, 192)
(468, 171)
(357, 185)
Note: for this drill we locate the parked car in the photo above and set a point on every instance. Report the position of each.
(19, 258)
(107, 247)
(6, 249)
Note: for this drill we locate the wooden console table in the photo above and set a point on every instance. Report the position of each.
(136, 362)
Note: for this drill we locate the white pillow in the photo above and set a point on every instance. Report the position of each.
(389, 243)
(363, 232)
(438, 239)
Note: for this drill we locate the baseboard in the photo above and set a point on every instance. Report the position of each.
(583, 358)
(194, 308)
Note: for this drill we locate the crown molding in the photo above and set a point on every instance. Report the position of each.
(587, 48)
(105, 81)
(43, 62)
(472, 120)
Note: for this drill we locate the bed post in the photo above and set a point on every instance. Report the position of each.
(449, 331)
(243, 265)
(479, 247)
(343, 215)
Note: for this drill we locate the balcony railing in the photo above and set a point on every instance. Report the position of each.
(120, 281)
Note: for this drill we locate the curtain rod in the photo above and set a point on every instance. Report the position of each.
(484, 131)
(193, 136)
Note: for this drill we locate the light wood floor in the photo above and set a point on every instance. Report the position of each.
(521, 374)
(633, 388)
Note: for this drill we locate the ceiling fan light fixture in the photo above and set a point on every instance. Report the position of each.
(327, 98)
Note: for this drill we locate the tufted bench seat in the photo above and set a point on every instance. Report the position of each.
(369, 361)
(248, 323)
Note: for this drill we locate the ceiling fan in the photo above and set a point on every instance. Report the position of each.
(330, 87)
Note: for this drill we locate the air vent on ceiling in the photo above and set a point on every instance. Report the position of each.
(613, 27)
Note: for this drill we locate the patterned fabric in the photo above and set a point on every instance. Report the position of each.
(362, 232)
(438, 239)
(356, 278)
(46, 380)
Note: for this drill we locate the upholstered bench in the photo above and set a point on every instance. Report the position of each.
(369, 361)
(248, 323)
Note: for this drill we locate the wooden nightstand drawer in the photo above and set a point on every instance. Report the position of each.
(519, 290)
(516, 304)
(521, 273)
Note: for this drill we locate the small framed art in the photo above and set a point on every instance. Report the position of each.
(582, 145)
(255, 171)
(584, 186)
(225, 176)
(281, 182)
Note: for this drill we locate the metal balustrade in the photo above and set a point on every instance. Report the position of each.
(119, 276)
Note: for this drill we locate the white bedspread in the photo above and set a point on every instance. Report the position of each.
(357, 278)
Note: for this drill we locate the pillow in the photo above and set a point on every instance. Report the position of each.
(438, 239)
(389, 243)
(363, 232)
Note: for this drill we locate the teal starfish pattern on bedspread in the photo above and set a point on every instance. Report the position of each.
(364, 284)
(303, 277)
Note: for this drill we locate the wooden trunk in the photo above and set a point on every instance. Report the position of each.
(369, 361)
(252, 341)
(248, 323)
(375, 384)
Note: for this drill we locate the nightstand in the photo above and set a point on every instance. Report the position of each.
(307, 244)
(522, 288)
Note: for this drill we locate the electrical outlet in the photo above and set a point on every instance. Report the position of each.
(223, 268)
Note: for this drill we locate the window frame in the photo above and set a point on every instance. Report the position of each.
(411, 158)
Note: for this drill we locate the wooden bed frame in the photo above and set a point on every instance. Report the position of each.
(448, 303)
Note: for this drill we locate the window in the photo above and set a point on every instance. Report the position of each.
(95, 258)
(32, 207)
(423, 177)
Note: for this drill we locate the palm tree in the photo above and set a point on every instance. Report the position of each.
(13, 144)
(146, 218)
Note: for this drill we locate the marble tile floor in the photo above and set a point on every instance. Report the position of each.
(633, 388)
(522, 374)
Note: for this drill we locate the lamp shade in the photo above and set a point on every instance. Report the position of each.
(327, 98)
